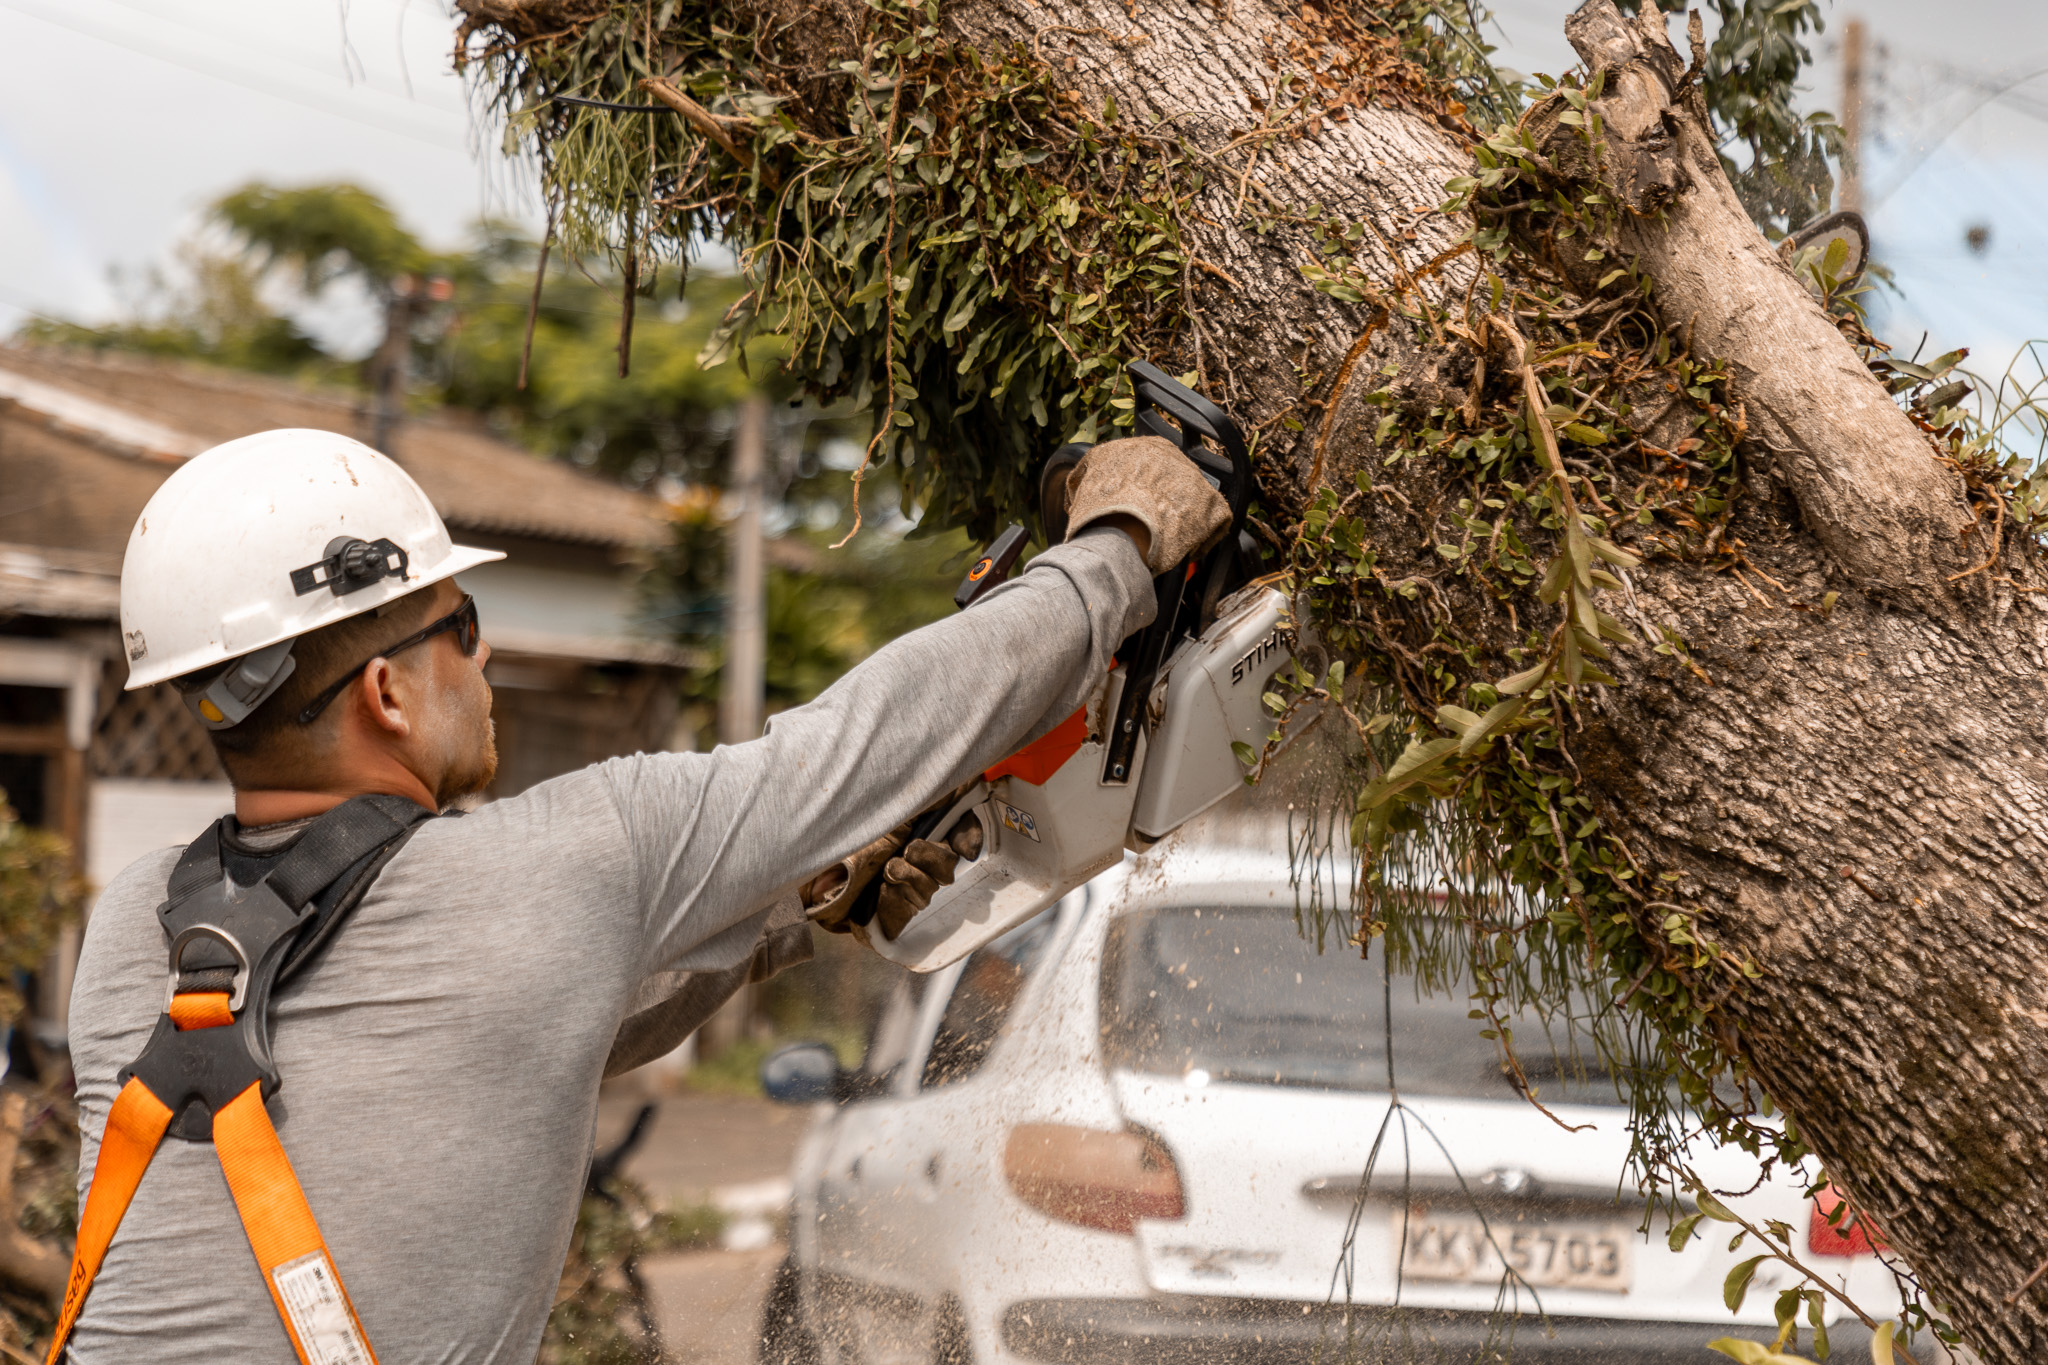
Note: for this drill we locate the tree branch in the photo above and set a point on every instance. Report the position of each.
(1865, 477)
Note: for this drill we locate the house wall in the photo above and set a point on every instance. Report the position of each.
(554, 716)
(559, 597)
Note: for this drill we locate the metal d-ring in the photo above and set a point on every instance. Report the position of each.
(240, 986)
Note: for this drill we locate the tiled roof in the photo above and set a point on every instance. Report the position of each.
(162, 412)
(66, 584)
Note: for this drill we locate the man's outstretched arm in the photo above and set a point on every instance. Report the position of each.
(716, 837)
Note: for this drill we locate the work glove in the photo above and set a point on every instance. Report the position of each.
(912, 871)
(913, 877)
(829, 897)
(1148, 479)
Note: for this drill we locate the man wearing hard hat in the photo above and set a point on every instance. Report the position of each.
(364, 1043)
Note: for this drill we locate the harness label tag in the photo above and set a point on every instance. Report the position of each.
(311, 1294)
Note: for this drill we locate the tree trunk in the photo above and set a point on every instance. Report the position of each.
(1845, 768)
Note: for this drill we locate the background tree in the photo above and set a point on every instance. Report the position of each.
(39, 894)
(665, 428)
(1659, 588)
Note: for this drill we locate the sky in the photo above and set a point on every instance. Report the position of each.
(1939, 159)
(121, 119)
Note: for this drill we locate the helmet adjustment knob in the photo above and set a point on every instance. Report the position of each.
(351, 564)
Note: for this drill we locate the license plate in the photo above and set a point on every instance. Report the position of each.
(1547, 1255)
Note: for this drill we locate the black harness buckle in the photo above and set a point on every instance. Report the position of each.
(242, 924)
(219, 929)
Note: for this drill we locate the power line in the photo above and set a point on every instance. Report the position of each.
(293, 54)
(71, 20)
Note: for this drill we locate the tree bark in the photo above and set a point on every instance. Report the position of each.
(1848, 771)
(1859, 795)
(1863, 475)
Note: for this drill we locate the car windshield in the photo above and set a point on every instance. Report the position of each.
(1240, 995)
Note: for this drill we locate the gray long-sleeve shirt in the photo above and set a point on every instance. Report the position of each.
(441, 1063)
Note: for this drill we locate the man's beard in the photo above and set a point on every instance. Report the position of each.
(473, 772)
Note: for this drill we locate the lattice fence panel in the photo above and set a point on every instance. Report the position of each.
(149, 733)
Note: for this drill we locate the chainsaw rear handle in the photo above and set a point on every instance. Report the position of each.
(1196, 421)
(1171, 410)
(1159, 396)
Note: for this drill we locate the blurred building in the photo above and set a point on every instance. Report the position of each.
(86, 439)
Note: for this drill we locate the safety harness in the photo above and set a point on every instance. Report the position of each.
(240, 925)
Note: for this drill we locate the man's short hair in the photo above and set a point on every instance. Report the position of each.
(271, 741)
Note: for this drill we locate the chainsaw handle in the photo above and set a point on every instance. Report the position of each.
(993, 567)
(1158, 392)
(1195, 422)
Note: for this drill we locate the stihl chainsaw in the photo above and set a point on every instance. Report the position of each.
(1151, 749)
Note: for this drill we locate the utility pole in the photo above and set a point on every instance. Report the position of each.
(739, 702)
(740, 695)
(1852, 116)
(387, 368)
(411, 300)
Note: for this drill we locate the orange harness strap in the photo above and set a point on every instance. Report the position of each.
(135, 1125)
(297, 1268)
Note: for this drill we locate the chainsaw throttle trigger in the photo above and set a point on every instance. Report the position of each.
(993, 567)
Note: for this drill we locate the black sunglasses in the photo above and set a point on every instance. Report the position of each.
(462, 621)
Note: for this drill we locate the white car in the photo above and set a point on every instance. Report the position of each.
(1134, 1130)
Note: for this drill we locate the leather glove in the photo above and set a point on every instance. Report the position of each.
(1147, 478)
(829, 897)
(912, 878)
(912, 871)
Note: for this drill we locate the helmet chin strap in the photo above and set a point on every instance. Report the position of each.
(223, 699)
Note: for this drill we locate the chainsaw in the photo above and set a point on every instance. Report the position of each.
(1152, 748)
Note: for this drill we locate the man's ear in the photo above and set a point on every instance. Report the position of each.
(376, 693)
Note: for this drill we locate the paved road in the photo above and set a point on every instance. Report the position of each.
(707, 1302)
(700, 1142)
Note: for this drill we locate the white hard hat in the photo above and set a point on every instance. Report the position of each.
(256, 542)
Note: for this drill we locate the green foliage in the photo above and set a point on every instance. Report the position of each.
(670, 418)
(820, 622)
(933, 262)
(39, 895)
(601, 1288)
(1777, 158)
(1472, 784)
(216, 314)
(325, 232)
(942, 235)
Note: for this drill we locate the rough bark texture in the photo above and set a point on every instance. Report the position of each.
(1855, 788)
(1886, 512)
(1859, 795)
